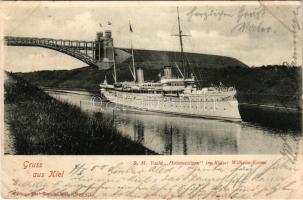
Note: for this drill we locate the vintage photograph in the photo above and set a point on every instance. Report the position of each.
(145, 79)
(151, 100)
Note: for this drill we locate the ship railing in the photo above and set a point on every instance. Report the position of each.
(95, 101)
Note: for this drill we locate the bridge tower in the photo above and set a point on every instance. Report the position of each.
(104, 50)
(108, 49)
(99, 47)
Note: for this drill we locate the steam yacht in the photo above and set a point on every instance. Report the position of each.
(171, 94)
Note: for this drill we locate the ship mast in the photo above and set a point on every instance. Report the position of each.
(133, 62)
(180, 35)
(115, 74)
(132, 50)
(181, 43)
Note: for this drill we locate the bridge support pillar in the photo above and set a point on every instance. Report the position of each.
(93, 49)
(85, 44)
(99, 47)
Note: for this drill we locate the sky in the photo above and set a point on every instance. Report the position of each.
(252, 33)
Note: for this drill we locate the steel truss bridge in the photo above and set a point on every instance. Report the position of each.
(90, 52)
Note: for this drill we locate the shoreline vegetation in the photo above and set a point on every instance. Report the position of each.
(41, 124)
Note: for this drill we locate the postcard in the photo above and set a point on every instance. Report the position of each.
(151, 100)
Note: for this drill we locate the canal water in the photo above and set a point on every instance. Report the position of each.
(178, 135)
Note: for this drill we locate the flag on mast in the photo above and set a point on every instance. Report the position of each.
(130, 28)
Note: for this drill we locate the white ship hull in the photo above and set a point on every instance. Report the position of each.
(221, 105)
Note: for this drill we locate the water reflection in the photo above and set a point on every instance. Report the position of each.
(174, 135)
(138, 131)
(169, 134)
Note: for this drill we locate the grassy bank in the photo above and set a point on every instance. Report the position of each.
(43, 125)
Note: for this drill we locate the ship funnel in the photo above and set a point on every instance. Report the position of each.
(167, 72)
(108, 33)
(99, 36)
(140, 75)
